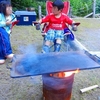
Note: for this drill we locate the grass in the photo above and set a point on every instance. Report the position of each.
(31, 89)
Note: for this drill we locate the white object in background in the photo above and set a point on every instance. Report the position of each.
(88, 88)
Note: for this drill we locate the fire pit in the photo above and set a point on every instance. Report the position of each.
(57, 86)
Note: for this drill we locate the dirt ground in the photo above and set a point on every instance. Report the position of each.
(30, 88)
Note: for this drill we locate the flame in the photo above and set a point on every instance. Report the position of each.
(64, 74)
(67, 74)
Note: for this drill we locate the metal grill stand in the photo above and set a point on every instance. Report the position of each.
(57, 88)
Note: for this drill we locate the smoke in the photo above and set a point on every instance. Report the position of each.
(26, 60)
(30, 49)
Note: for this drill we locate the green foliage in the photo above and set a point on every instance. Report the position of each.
(98, 6)
(36, 5)
(21, 4)
(79, 7)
